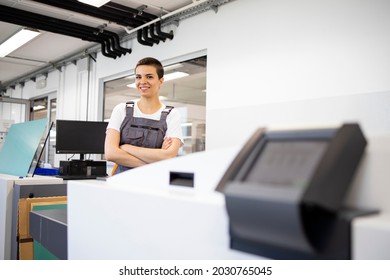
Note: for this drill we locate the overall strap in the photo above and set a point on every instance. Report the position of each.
(129, 108)
(165, 112)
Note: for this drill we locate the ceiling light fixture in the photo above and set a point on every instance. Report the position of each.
(167, 77)
(175, 75)
(96, 3)
(38, 107)
(166, 69)
(17, 40)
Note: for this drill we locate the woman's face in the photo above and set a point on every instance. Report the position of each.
(147, 81)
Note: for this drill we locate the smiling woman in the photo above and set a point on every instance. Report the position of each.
(184, 88)
(143, 131)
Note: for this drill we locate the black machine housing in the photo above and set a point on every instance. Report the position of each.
(285, 192)
(83, 168)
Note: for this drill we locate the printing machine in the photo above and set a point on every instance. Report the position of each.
(318, 193)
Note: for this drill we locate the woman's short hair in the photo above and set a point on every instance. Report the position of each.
(153, 62)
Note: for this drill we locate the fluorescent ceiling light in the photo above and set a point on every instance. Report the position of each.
(39, 107)
(166, 69)
(175, 75)
(16, 41)
(96, 3)
(167, 77)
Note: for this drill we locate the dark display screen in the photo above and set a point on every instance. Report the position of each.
(81, 137)
(287, 163)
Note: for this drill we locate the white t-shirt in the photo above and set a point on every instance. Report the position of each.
(173, 119)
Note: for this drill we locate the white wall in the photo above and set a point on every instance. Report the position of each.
(298, 62)
(270, 62)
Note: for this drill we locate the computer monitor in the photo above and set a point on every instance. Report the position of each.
(80, 137)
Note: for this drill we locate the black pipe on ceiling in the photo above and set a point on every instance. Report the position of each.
(109, 40)
(144, 16)
(120, 14)
(145, 35)
(78, 33)
(123, 17)
(142, 37)
(161, 33)
(105, 43)
(154, 35)
(141, 40)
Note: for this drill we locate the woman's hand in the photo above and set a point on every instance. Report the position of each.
(167, 143)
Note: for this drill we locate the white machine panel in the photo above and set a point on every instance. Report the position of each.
(139, 215)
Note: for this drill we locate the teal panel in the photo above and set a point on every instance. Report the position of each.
(20, 145)
(41, 253)
(49, 206)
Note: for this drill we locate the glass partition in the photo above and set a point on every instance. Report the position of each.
(186, 93)
(12, 110)
(15, 109)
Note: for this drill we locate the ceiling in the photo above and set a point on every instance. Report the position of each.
(71, 30)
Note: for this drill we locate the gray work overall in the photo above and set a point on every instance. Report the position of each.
(142, 132)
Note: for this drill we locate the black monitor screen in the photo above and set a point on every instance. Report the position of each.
(80, 137)
(287, 163)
